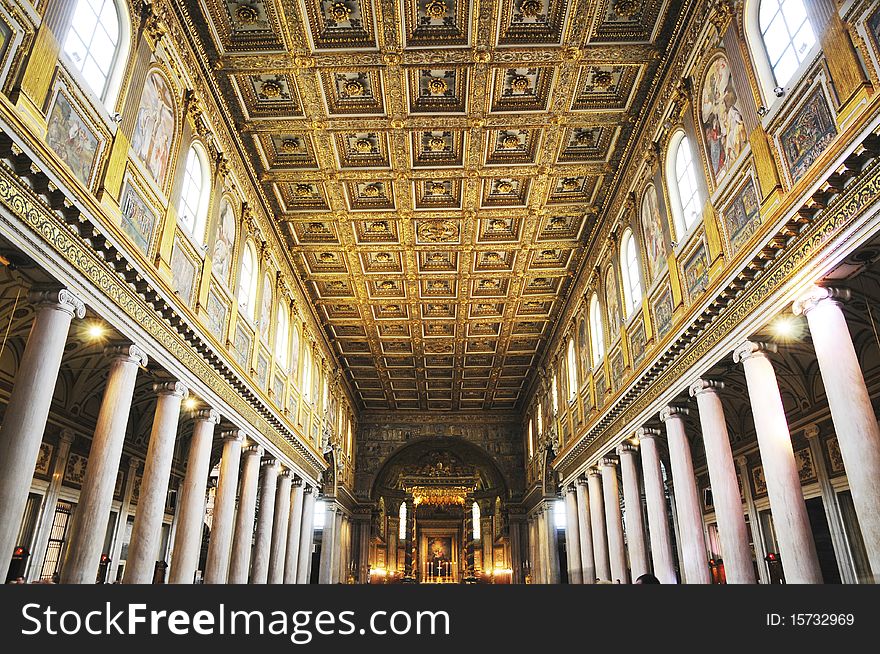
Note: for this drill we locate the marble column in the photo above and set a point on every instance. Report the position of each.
(337, 545)
(687, 498)
(146, 533)
(328, 541)
(735, 550)
(552, 576)
(655, 499)
(855, 423)
(191, 504)
(572, 537)
(797, 549)
(280, 528)
(28, 408)
(265, 518)
(633, 517)
(50, 501)
(306, 537)
(516, 558)
(134, 467)
(534, 566)
(223, 519)
(614, 521)
(242, 540)
(543, 546)
(588, 563)
(93, 509)
(597, 525)
(294, 533)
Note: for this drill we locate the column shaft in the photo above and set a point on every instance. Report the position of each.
(852, 412)
(552, 544)
(265, 518)
(573, 538)
(655, 498)
(93, 510)
(588, 563)
(687, 500)
(146, 533)
(614, 521)
(597, 524)
(47, 512)
(280, 529)
(634, 521)
(328, 539)
(306, 538)
(242, 541)
(191, 505)
(732, 530)
(294, 533)
(797, 549)
(28, 408)
(217, 564)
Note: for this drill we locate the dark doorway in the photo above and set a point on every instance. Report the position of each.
(822, 536)
(562, 546)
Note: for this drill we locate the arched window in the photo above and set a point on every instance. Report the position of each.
(571, 363)
(629, 268)
(475, 518)
(97, 45)
(540, 420)
(555, 394)
(307, 375)
(247, 282)
(282, 335)
(683, 191)
(787, 36)
(294, 354)
(597, 338)
(192, 208)
(401, 528)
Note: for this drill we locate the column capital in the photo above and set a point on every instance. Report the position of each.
(749, 349)
(646, 432)
(705, 386)
(629, 448)
(297, 482)
(594, 472)
(285, 472)
(582, 480)
(134, 463)
(206, 415)
(570, 488)
(66, 436)
(742, 461)
(669, 412)
(811, 431)
(307, 490)
(252, 450)
(171, 388)
(60, 299)
(268, 462)
(232, 435)
(609, 461)
(127, 352)
(814, 295)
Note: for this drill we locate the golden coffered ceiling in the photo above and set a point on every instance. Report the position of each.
(438, 167)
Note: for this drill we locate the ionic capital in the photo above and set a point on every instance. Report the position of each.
(749, 349)
(284, 473)
(232, 435)
(609, 461)
(705, 386)
(207, 415)
(811, 431)
(817, 294)
(253, 450)
(60, 299)
(570, 488)
(646, 432)
(127, 352)
(669, 412)
(594, 472)
(582, 480)
(174, 388)
(307, 490)
(269, 462)
(66, 436)
(626, 448)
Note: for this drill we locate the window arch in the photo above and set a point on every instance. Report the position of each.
(531, 441)
(282, 335)
(247, 282)
(555, 394)
(597, 338)
(629, 269)
(97, 44)
(307, 375)
(571, 361)
(786, 37)
(684, 194)
(294, 353)
(192, 207)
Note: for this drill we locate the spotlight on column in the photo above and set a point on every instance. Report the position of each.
(95, 331)
(787, 328)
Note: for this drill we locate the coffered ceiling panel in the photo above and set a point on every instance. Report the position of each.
(437, 168)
